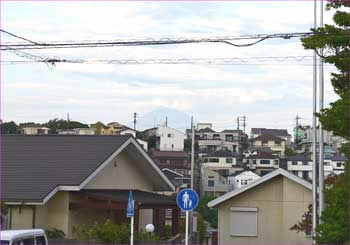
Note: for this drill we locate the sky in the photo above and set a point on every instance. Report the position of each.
(270, 94)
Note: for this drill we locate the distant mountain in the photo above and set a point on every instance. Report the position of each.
(157, 117)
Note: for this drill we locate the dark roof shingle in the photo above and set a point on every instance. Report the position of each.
(32, 166)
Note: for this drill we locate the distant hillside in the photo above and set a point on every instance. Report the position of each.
(176, 119)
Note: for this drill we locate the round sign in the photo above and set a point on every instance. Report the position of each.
(187, 199)
(150, 228)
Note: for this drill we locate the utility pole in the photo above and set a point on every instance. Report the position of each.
(135, 115)
(244, 124)
(68, 120)
(321, 146)
(166, 121)
(192, 168)
(314, 139)
(237, 123)
(296, 128)
(349, 126)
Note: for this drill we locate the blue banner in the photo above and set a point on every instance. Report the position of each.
(130, 208)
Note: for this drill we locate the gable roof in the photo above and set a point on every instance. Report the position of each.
(236, 174)
(35, 167)
(274, 132)
(266, 137)
(205, 130)
(259, 181)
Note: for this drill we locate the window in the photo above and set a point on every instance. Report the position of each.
(170, 135)
(295, 172)
(28, 241)
(40, 240)
(245, 182)
(294, 163)
(237, 180)
(228, 160)
(214, 160)
(3, 242)
(254, 161)
(278, 143)
(305, 163)
(210, 183)
(244, 221)
(210, 177)
(339, 164)
(241, 182)
(265, 143)
(206, 160)
(264, 161)
(276, 162)
(305, 175)
(16, 242)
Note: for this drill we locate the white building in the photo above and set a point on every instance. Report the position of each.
(168, 139)
(241, 178)
(34, 130)
(301, 165)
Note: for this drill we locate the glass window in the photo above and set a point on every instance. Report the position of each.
(3, 242)
(28, 241)
(264, 161)
(211, 183)
(264, 143)
(229, 160)
(276, 162)
(40, 240)
(294, 163)
(214, 160)
(339, 164)
(305, 163)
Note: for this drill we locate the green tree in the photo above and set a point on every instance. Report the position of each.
(99, 127)
(209, 214)
(332, 44)
(9, 128)
(56, 124)
(290, 152)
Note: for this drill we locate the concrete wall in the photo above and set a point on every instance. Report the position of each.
(58, 211)
(125, 175)
(173, 143)
(145, 218)
(21, 217)
(280, 204)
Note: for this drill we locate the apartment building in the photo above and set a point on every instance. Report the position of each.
(262, 163)
(301, 165)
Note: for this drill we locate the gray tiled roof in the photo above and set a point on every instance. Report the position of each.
(205, 130)
(299, 157)
(275, 132)
(32, 166)
(266, 137)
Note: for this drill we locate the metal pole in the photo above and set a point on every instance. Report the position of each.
(192, 158)
(186, 236)
(314, 139)
(321, 145)
(132, 227)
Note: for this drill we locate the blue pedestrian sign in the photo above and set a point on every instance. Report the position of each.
(187, 199)
(130, 208)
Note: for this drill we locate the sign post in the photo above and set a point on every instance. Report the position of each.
(187, 200)
(130, 214)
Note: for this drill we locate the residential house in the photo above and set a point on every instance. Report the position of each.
(241, 178)
(167, 139)
(281, 133)
(180, 181)
(277, 144)
(257, 150)
(215, 169)
(262, 163)
(301, 165)
(58, 181)
(178, 161)
(33, 130)
(230, 140)
(263, 211)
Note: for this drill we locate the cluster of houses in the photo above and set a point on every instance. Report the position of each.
(83, 175)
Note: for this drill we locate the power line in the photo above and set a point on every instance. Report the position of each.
(147, 41)
(205, 61)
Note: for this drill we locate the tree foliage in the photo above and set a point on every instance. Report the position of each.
(209, 214)
(9, 128)
(332, 43)
(56, 124)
